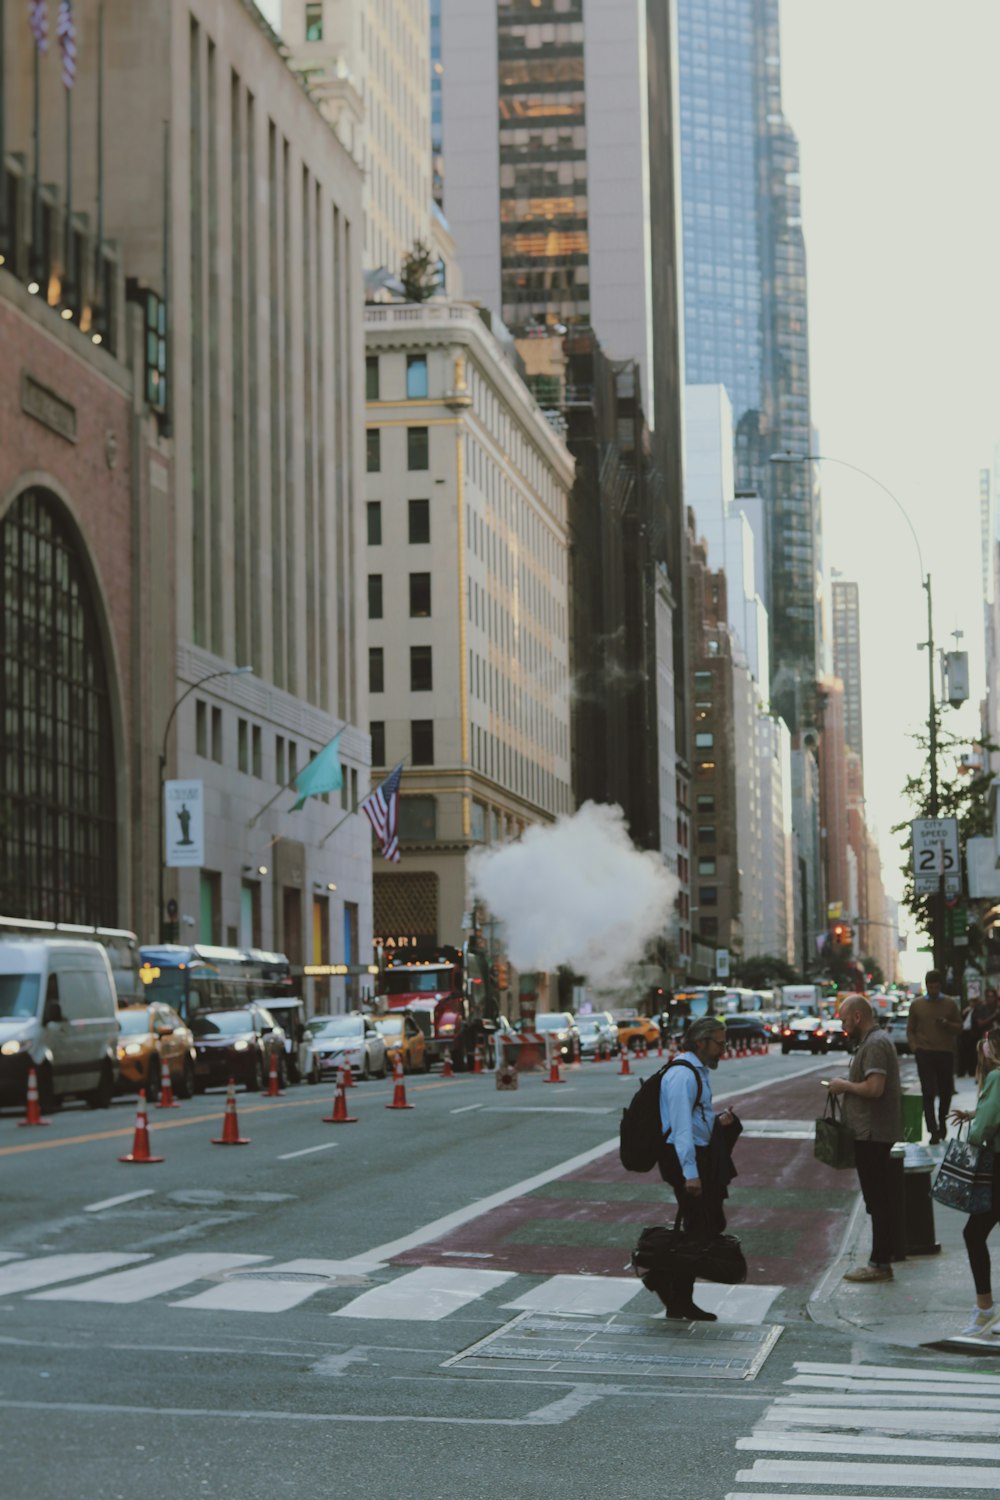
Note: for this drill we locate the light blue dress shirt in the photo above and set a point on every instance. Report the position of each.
(683, 1123)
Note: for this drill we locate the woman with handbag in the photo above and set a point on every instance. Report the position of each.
(984, 1130)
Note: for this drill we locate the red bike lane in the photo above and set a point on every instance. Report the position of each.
(788, 1210)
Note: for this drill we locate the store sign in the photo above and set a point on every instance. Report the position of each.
(184, 821)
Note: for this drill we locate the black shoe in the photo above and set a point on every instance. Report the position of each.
(935, 1139)
(691, 1314)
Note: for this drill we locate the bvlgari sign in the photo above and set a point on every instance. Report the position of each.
(48, 408)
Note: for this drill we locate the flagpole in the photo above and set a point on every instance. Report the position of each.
(68, 289)
(3, 131)
(99, 237)
(291, 781)
(343, 820)
(36, 205)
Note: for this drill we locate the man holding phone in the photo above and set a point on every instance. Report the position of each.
(932, 1029)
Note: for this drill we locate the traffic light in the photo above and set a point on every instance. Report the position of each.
(501, 968)
(841, 935)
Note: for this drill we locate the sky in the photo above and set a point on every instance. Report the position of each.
(894, 105)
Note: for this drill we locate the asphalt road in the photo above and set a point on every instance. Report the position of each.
(232, 1332)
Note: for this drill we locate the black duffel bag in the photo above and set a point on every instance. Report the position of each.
(665, 1251)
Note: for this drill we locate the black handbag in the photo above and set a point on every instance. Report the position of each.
(834, 1143)
(965, 1177)
(666, 1250)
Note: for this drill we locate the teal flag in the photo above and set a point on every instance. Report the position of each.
(321, 775)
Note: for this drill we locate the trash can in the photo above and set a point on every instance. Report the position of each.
(913, 1117)
(896, 1157)
(918, 1205)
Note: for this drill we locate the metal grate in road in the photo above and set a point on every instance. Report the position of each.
(622, 1345)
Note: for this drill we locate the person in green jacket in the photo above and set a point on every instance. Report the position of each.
(984, 1130)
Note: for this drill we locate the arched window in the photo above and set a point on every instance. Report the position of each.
(58, 840)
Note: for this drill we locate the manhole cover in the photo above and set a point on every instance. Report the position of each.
(621, 1346)
(280, 1276)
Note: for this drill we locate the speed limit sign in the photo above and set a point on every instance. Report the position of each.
(935, 853)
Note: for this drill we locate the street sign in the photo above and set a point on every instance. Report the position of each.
(935, 853)
(722, 963)
(956, 925)
(184, 821)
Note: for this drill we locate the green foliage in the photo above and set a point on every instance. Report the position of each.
(419, 273)
(760, 971)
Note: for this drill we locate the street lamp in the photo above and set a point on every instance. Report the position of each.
(209, 677)
(788, 457)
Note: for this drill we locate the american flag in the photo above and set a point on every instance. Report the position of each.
(381, 808)
(38, 17)
(66, 32)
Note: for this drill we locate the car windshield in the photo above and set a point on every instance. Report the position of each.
(588, 1023)
(553, 1022)
(221, 1023)
(18, 995)
(338, 1026)
(389, 1025)
(416, 981)
(134, 1022)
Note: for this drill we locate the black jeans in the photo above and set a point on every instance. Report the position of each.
(871, 1159)
(937, 1080)
(976, 1232)
(704, 1214)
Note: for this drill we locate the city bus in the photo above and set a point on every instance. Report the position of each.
(121, 946)
(203, 977)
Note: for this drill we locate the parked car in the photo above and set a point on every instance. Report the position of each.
(748, 1029)
(401, 1034)
(58, 1014)
(238, 1044)
(633, 1030)
(289, 1013)
(836, 1036)
(804, 1034)
(558, 1030)
(772, 1022)
(895, 1026)
(149, 1036)
(597, 1029)
(337, 1042)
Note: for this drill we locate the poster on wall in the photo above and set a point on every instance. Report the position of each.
(184, 821)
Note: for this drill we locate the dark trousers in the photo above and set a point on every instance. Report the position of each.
(871, 1159)
(978, 1228)
(937, 1081)
(702, 1215)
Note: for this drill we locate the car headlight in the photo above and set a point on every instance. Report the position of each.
(10, 1049)
(446, 1026)
(240, 1046)
(132, 1050)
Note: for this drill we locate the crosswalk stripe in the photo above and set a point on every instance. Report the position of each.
(931, 1400)
(902, 1373)
(973, 1422)
(251, 1295)
(876, 1476)
(968, 1386)
(784, 1495)
(424, 1295)
(817, 1442)
(579, 1294)
(25, 1275)
(148, 1281)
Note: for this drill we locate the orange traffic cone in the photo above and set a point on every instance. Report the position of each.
(477, 1059)
(555, 1072)
(577, 1054)
(230, 1128)
(272, 1091)
(624, 1071)
(597, 1050)
(399, 1091)
(340, 1115)
(347, 1073)
(447, 1068)
(33, 1111)
(140, 1141)
(166, 1100)
(659, 1046)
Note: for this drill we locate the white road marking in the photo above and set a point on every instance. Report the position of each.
(11, 1255)
(95, 1208)
(542, 1416)
(737, 1304)
(464, 1109)
(921, 1375)
(874, 1447)
(149, 1281)
(239, 1294)
(552, 1109)
(972, 1423)
(24, 1275)
(579, 1294)
(424, 1295)
(893, 1400)
(876, 1476)
(308, 1151)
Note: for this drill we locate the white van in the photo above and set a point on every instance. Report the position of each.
(58, 1012)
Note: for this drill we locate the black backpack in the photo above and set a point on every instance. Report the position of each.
(640, 1136)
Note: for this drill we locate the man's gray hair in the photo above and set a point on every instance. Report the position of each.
(702, 1029)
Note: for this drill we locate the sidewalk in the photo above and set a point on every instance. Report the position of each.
(930, 1298)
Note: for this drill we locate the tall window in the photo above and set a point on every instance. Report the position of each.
(377, 731)
(418, 818)
(420, 595)
(314, 21)
(58, 813)
(376, 669)
(417, 448)
(422, 742)
(416, 378)
(371, 377)
(374, 596)
(375, 450)
(374, 513)
(421, 673)
(420, 521)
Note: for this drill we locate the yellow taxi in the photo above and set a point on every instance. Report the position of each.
(633, 1030)
(401, 1034)
(148, 1036)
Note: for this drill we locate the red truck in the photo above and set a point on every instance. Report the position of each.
(446, 991)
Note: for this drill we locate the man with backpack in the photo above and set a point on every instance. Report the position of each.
(695, 1158)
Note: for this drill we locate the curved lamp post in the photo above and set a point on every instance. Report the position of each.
(209, 677)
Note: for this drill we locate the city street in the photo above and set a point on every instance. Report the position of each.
(313, 1313)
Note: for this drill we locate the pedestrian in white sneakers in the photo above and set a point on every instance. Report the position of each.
(984, 1130)
(873, 1112)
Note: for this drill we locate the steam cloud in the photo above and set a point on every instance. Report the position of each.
(577, 892)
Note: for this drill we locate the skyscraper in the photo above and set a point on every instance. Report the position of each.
(847, 658)
(745, 313)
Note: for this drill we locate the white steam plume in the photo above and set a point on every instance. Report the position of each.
(577, 892)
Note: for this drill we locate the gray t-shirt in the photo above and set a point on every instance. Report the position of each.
(875, 1119)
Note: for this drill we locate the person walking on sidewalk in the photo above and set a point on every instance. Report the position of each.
(873, 1112)
(984, 1130)
(932, 1029)
(696, 1159)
